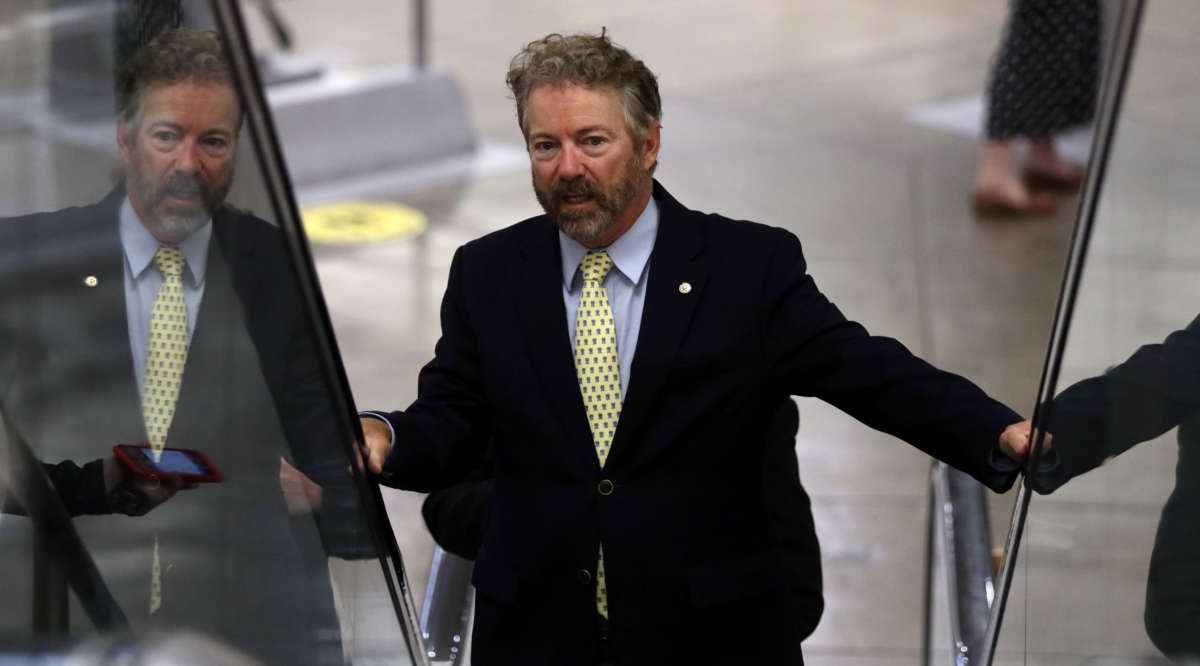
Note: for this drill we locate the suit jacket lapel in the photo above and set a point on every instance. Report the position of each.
(76, 290)
(544, 325)
(103, 323)
(207, 372)
(112, 335)
(678, 274)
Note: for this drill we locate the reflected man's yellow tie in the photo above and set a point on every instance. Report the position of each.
(166, 355)
(166, 349)
(599, 373)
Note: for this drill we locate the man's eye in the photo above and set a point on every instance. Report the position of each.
(215, 142)
(594, 140)
(543, 146)
(163, 136)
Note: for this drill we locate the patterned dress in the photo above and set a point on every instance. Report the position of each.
(1045, 75)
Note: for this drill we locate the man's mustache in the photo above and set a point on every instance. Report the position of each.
(182, 185)
(575, 188)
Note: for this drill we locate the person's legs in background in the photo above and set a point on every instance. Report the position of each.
(1042, 82)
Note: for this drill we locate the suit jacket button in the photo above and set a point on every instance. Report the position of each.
(605, 487)
(583, 576)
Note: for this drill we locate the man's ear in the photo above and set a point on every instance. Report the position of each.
(124, 139)
(650, 145)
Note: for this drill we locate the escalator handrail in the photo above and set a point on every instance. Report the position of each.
(959, 531)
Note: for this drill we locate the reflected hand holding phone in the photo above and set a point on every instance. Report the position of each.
(137, 482)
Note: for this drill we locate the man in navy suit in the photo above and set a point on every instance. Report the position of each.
(647, 542)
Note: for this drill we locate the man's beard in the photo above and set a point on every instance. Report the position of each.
(172, 222)
(586, 226)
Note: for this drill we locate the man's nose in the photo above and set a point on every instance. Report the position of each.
(188, 160)
(571, 165)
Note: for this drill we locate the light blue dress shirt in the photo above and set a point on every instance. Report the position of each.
(142, 280)
(625, 284)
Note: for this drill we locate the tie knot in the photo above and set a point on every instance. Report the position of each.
(595, 265)
(170, 261)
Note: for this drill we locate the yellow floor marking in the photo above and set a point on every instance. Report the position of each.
(361, 222)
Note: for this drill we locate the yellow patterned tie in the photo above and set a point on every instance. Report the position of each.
(166, 349)
(166, 354)
(599, 373)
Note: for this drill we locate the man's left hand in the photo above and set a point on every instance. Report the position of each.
(1017, 438)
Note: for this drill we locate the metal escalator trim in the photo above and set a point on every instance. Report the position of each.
(959, 538)
(971, 540)
(943, 516)
(447, 610)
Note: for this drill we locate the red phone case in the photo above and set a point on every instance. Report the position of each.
(138, 466)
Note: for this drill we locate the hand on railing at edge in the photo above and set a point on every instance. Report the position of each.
(377, 443)
(1017, 439)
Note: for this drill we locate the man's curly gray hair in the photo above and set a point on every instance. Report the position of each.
(173, 56)
(590, 61)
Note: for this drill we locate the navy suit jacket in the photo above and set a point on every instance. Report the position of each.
(690, 573)
(457, 518)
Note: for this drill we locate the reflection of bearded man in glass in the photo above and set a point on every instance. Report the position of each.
(178, 141)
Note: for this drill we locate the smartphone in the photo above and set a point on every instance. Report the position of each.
(190, 464)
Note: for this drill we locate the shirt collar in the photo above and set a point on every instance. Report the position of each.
(140, 246)
(630, 252)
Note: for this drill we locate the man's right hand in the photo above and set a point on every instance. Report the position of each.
(377, 443)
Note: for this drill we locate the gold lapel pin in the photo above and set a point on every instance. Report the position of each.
(685, 287)
(90, 281)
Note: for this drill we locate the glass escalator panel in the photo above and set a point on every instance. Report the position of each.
(1106, 571)
(178, 424)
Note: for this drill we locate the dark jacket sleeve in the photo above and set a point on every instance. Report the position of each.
(815, 351)
(1154, 390)
(457, 516)
(80, 489)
